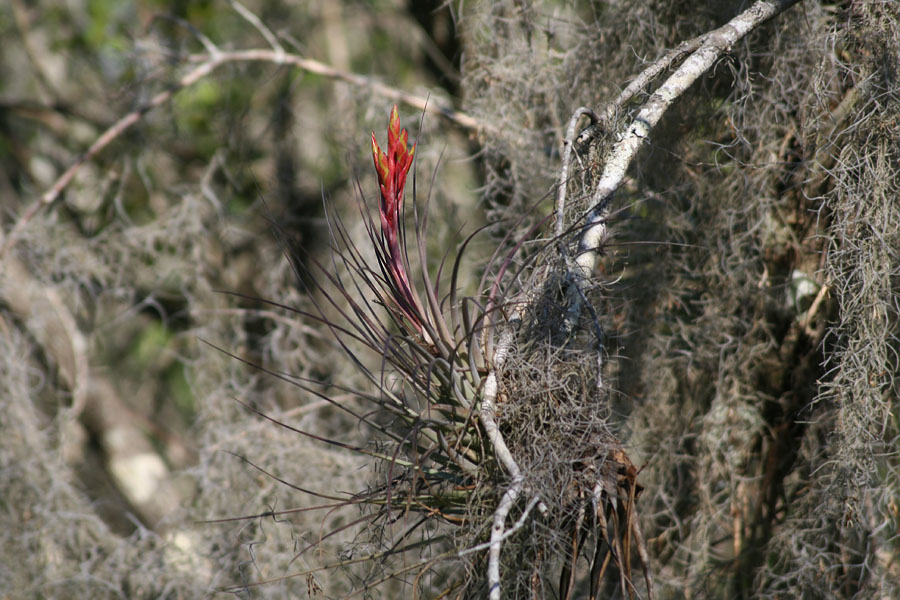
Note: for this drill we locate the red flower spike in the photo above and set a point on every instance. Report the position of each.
(392, 168)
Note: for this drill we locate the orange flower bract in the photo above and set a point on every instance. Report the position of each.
(392, 168)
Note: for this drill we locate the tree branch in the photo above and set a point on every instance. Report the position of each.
(706, 50)
(207, 64)
(501, 451)
(713, 46)
(651, 72)
(563, 181)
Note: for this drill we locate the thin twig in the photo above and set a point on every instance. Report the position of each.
(487, 414)
(808, 316)
(651, 72)
(319, 68)
(209, 63)
(258, 24)
(562, 184)
(114, 131)
(509, 532)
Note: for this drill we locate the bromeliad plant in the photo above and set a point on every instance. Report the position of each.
(451, 480)
(431, 359)
(426, 318)
(427, 388)
(439, 363)
(439, 455)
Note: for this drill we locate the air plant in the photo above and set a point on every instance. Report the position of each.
(427, 388)
(447, 468)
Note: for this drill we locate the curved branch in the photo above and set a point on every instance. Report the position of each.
(501, 451)
(568, 144)
(651, 72)
(713, 46)
(207, 64)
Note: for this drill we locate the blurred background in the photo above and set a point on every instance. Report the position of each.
(753, 278)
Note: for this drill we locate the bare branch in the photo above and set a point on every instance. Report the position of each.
(713, 46)
(564, 169)
(520, 522)
(259, 25)
(208, 64)
(651, 72)
(501, 451)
